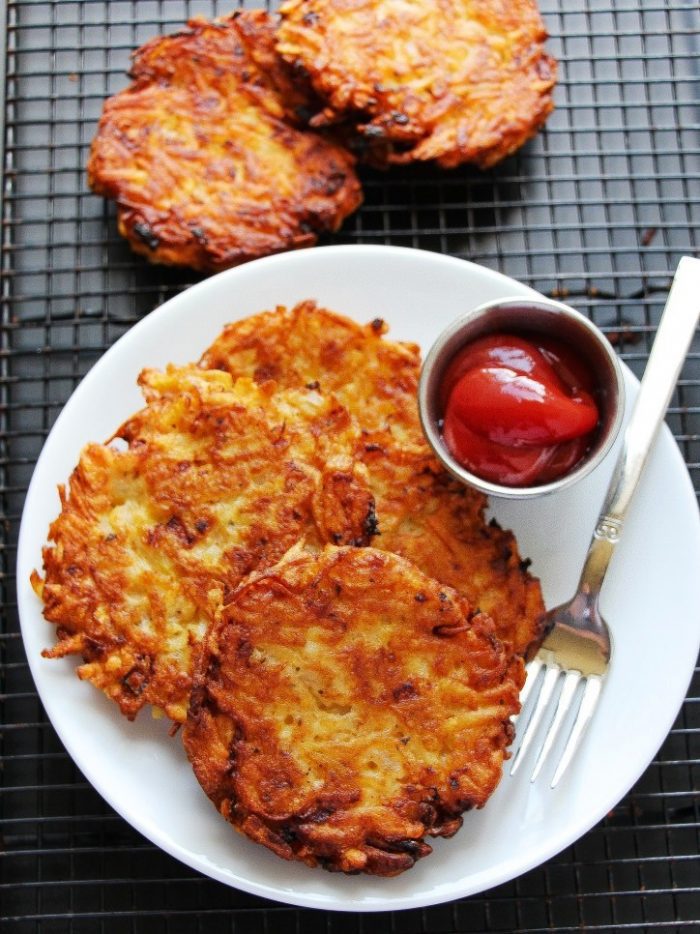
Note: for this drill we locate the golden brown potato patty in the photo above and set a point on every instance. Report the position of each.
(421, 512)
(450, 80)
(375, 379)
(345, 706)
(202, 156)
(218, 478)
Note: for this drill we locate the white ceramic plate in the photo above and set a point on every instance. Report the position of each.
(650, 599)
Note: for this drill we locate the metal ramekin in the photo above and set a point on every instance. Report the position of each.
(523, 316)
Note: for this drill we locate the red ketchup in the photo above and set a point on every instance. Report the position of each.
(518, 411)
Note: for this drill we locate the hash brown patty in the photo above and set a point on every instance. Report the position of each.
(211, 480)
(374, 378)
(202, 155)
(447, 80)
(421, 513)
(345, 706)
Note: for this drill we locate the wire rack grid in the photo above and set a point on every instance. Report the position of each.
(597, 209)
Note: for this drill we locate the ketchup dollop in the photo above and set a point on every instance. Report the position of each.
(518, 411)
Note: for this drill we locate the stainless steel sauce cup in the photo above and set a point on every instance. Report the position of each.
(525, 317)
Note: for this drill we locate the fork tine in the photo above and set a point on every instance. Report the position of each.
(533, 670)
(589, 700)
(541, 703)
(571, 681)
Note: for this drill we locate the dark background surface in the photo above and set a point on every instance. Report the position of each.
(598, 210)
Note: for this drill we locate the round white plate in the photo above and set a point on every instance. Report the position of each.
(650, 600)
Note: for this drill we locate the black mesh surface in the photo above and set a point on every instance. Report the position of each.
(597, 209)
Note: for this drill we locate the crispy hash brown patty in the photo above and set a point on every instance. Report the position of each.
(375, 379)
(450, 80)
(217, 478)
(202, 156)
(421, 512)
(345, 705)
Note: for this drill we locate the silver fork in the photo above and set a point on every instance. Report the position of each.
(577, 648)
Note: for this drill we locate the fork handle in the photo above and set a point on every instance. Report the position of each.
(670, 348)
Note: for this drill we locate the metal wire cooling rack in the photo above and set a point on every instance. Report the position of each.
(597, 209)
